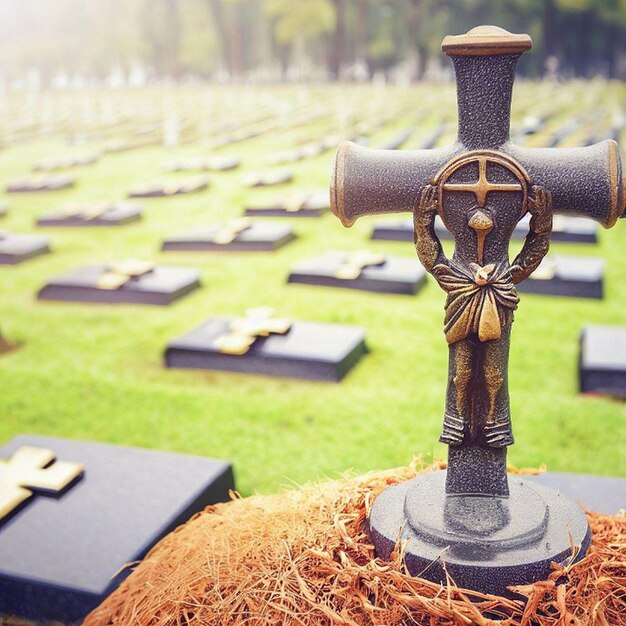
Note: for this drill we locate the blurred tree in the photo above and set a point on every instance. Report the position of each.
(199, 49)
(595, 31)
(296, 23)
(426, 19)
(361, 26)
(382, 47)
(161, 24)
(228, 16)
(337, 50)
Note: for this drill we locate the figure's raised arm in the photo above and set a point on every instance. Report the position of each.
(537, 241)
(427, 243)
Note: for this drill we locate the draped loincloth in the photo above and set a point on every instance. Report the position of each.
(474, 308)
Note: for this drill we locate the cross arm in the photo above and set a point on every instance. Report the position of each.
(371, 182)
(583, 181)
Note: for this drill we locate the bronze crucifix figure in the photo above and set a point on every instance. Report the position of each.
(481, 186)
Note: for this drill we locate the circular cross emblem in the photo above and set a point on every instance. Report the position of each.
(485, 183)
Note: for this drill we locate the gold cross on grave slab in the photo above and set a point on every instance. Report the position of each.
(297, 202)
(86, 212)
(356, 262)
(171, 188)
(33, 469)
(227, 233)
(118, 274)
(242, 333)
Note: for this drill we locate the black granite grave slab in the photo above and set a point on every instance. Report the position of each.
(396, 275)
(66, 162)
(204, 164)
(15, 248)
(530, 125)
(393, 230)
(115, 145)
(398, 140)
(577, 277)
(431, 140)
(562, 133)
(258, 237)
(113, 214)
(313, 204)
(296, 154)
(602, 361)
(602, 494)
(565, 229)
(268, 178)
(62, 554)
(309, 350)
(162, 286)
(170, 188)
(41, 183)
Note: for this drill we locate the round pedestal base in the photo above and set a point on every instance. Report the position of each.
(485, 543)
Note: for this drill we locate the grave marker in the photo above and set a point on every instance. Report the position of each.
(486, 530)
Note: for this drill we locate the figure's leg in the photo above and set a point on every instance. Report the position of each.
(460, 367)
(498, 431)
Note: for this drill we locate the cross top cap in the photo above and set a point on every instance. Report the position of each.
(485, 40)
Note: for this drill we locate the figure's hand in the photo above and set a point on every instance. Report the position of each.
(540, 209)
(537, 241)
(428, 199)
(540, 201)
(427, 243)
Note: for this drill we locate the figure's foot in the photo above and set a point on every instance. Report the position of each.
(499, 434)
(453, 430)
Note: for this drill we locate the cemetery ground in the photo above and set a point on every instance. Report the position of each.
(95, 372)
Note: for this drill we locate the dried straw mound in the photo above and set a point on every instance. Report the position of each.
(303, 558)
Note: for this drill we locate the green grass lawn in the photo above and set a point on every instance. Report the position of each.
(96, 372)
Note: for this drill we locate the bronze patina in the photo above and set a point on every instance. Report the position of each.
(485, 529)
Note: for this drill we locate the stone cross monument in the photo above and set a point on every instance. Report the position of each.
(486, 530)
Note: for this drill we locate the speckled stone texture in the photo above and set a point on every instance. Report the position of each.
(583, 181)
